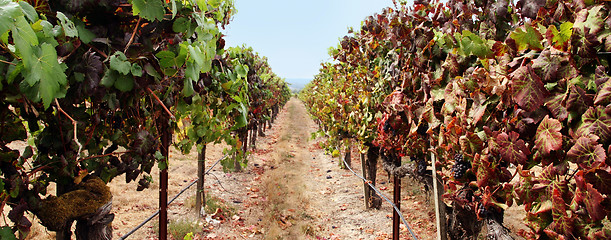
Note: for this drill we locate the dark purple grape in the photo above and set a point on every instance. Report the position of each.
(460, 167)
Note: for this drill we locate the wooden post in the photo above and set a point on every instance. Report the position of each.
(366, 191)
(200, 196)
(166, 135)
(396, 221)
(440, 211)
(348, 156)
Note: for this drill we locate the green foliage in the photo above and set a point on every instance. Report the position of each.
(77, 91)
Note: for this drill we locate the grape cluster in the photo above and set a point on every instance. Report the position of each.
(460, 167)
(420, 166)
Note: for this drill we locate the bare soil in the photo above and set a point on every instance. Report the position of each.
(290, 190)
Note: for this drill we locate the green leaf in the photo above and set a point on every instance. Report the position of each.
(25, 32)
(149, 9)
(197, 55)
(473, 44)
(46, 71)
(241, 70)
(187, 89)
(110, 76)
(9, 11)
(548, 137)
(68, 26)
(214, 3)
(124, 83)
(6, 233)
(28, 11)
(529, 39)
(84, 34)
(181, 25)
(118, 62)
(150, 70)
(203, 5)
(528, 90)
(136, 70)
(565, 33)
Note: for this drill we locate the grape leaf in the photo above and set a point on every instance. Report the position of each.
(181, 25)
(68, 26)
(511, 148)
(578, 100)
(29, 11)
(589, 19)
(124, 83)
(587, 153)
(552, 65)
(604, 94)
(24, 31)
(528, 90)
(562, 36)
(529, 39)
(601, 179)
(548, 137)
(118, 62)
(136, 70)
(562, 223)
(473, 44)
(589, 196)
(7, 233)
(110, 76)
(9, 11)
(149, 9)
(84, 34)
(46, 71)
(596, 121)
(556, 106)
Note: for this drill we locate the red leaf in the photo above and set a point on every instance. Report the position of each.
(588, 195)
(601, 179)
(596, 121)
(528, 90)
(604, 94)
(556, 105)
(548, 136)
(512, 149)
(587, 153)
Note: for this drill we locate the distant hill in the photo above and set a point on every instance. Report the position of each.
(297, 84)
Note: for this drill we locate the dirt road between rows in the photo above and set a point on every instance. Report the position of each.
(290, 190)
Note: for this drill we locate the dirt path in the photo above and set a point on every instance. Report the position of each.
(290, 190)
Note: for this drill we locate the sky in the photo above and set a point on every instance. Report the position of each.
(295, 35)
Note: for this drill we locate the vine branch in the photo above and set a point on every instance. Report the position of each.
(131, 39)
(161, 103)
(74, 124)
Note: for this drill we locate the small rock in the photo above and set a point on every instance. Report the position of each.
(329, 177)
(328, 170)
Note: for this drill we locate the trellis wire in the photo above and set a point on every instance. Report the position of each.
(172, 200)
(385, 198)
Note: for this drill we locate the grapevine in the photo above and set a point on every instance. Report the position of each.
(518, 89)
(91, 85)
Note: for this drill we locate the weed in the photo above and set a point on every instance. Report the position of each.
(213, 203)
(181, 228)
